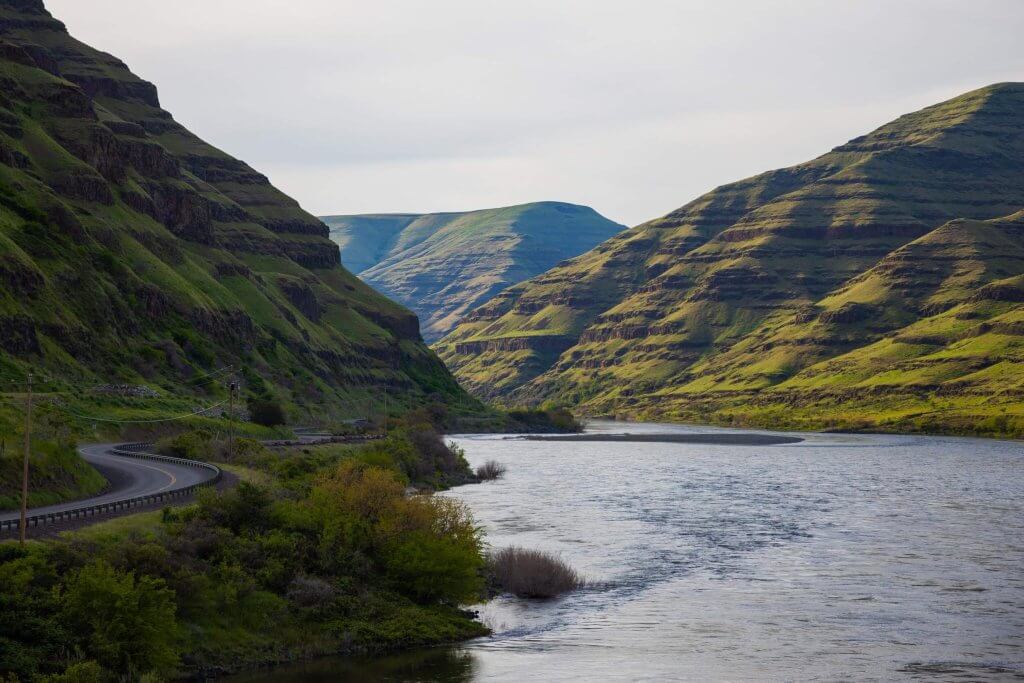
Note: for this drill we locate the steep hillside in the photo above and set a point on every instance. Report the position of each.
(134, 252)
(737, 296)
(444, 264)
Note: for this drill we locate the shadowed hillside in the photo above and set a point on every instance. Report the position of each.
(133, 251)
(442, 265)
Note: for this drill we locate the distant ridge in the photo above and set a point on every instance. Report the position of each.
(443, 264)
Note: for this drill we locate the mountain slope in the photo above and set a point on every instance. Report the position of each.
(132, 251)
(747, 286)
(442, 265)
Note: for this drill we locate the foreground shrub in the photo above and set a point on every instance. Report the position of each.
(532, 573)
(492, 469)
(127, 622)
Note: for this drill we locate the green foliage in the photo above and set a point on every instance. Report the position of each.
(205, 445)
(328, 555)
(428, 546)
(546, 419)
(81, 672)
(56, 473)
(198, 444)
(127, 623)
(31, 632)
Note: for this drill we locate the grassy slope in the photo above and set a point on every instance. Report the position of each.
(443, 265)
(704, 313)
(132, 251)
(56, 474)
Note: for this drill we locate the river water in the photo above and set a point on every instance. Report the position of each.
(842, 557)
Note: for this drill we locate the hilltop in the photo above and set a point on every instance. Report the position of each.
(442, 265)
(876, 286)
(132, 251)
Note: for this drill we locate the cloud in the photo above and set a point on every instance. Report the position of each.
(633, 108)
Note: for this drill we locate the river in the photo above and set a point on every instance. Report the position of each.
(841, 557)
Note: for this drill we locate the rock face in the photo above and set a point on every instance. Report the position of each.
(132, 251)
(442, 265)
(843, 291)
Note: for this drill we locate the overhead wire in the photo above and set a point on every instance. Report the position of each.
(183, 416)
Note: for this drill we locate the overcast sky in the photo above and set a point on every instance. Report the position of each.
(632, 107)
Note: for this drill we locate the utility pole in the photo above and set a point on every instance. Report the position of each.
(385, 410)
(24, 467)
(232, 388)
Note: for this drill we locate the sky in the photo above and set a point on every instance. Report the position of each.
(633, 108)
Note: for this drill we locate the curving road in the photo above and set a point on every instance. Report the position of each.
(129, 478)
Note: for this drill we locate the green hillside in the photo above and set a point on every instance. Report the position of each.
(872, 287)
(133, 252)
(442, 265)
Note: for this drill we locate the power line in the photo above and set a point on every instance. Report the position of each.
(207, 378)
(211, 374)
(161, 419)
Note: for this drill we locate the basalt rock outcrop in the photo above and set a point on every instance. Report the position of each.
(131, 251)
(886, 270)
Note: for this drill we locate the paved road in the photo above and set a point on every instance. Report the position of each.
(128, 477)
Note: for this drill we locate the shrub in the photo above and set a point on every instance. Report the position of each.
(434, 461)
(532, 573)
(309, 592)
(126, 623)
(429, 547)
(492, 469)
(81, 672)
(267, 413)
(197, 444)
(439, 557)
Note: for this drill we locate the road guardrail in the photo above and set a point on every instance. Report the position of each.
(131, 450)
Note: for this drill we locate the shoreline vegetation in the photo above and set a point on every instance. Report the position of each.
(320, 550)
(532, 574)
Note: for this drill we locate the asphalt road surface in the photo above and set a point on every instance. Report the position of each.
(128, 477)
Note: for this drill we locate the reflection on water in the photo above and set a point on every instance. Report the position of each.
(441, 665)
(842, 557)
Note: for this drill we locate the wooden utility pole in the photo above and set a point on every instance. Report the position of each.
(24, 466)
(385, 411)
(231, 420)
